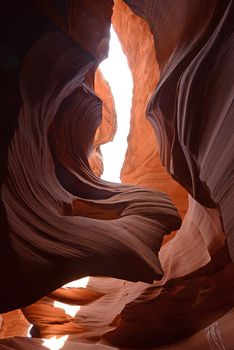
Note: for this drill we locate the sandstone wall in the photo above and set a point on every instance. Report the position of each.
(142, 164)
(60, 222)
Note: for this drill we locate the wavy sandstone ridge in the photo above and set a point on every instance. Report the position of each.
(62, 219)
(61, 222)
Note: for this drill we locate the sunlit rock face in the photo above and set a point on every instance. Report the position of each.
(189, 109)
(12, 324)
(142, 164)
(186, 145)
(107, 129)
(61, 222)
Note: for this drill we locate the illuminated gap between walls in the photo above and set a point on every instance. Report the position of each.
(56, 343)
(116, 71)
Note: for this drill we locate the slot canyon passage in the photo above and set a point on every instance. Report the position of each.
(158, 247)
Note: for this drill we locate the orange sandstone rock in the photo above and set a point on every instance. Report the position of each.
(60, 221)
(142, 165)
(107, 129)
(13, 324)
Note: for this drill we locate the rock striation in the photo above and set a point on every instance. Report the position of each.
(63, 222)
(192, 116)
(60, 221)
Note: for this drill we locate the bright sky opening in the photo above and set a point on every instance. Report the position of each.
(72, 310)
(116, 71)
(56, 343)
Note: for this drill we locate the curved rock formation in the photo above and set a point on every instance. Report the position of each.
(189, 110)
(61, 222)
(218, 334)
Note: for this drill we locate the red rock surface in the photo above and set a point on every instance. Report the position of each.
(13, 324)
(61, 222)
(192, 116)
(218, 334)
(58, 212)
(107, 129)
(142, 164)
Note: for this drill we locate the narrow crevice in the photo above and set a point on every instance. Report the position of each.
(118, 75)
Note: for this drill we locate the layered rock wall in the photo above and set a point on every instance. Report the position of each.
(60, 218)
(61, 222)
(192, 107)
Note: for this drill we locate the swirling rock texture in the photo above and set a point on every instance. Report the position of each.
(61, 222)
(55, 206)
